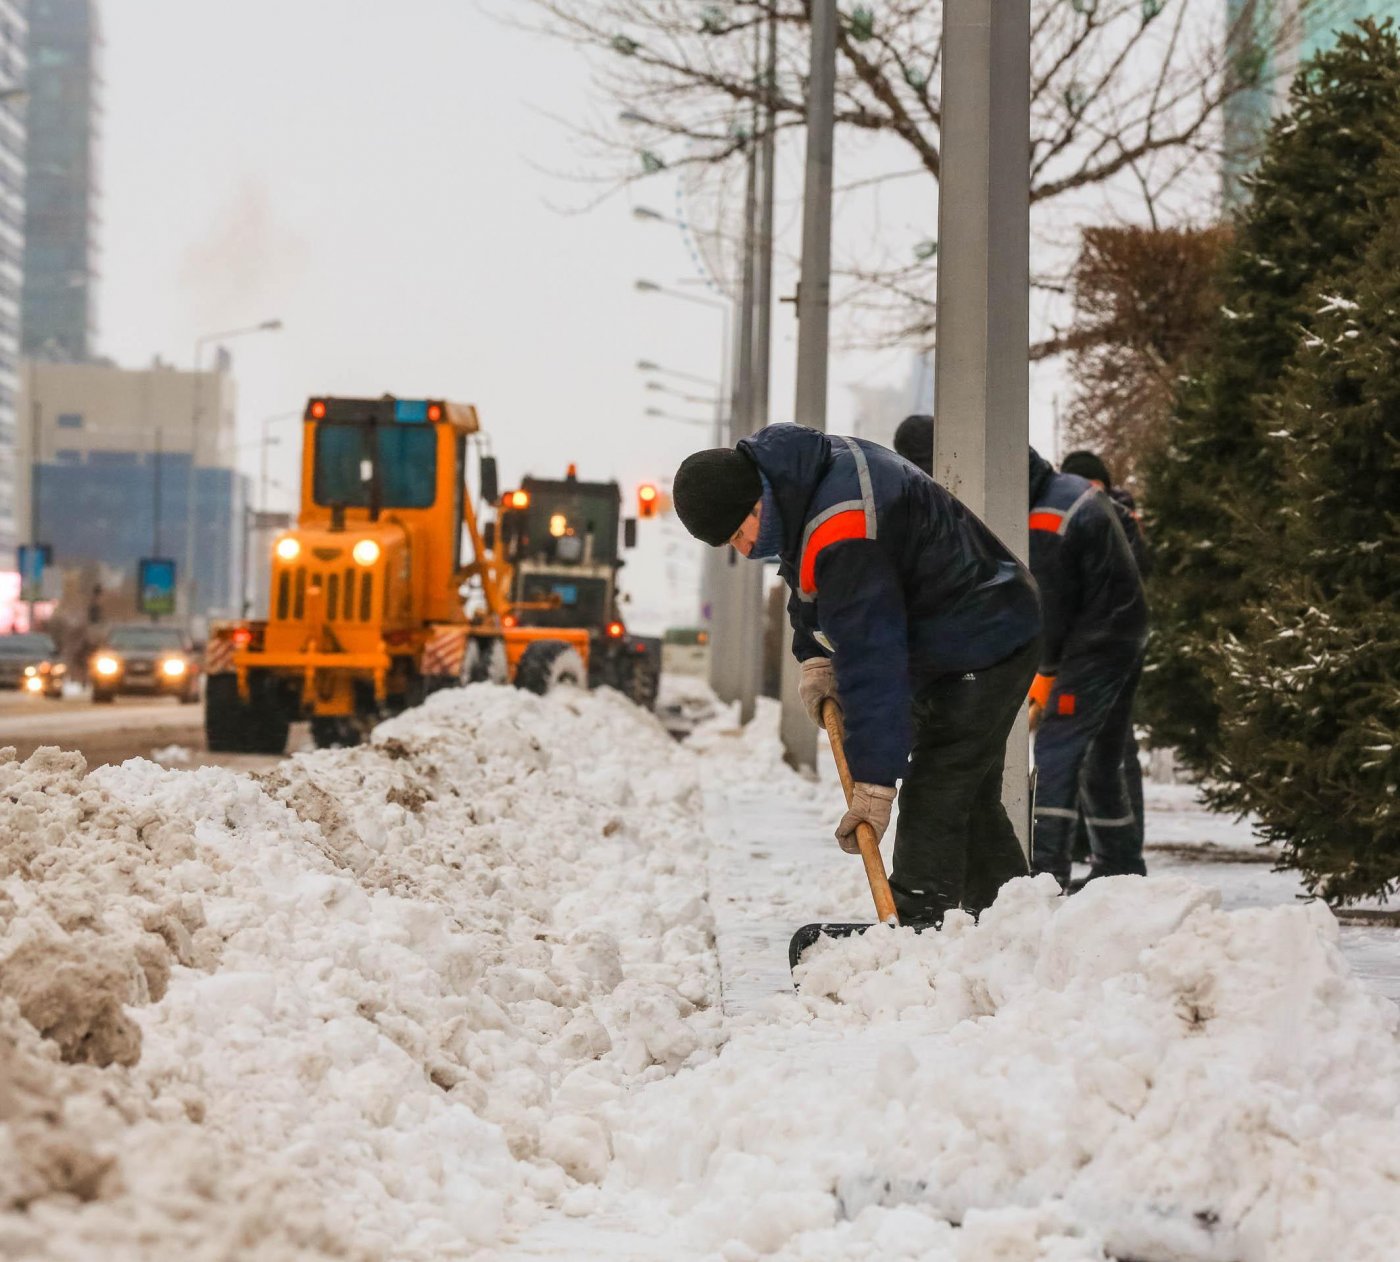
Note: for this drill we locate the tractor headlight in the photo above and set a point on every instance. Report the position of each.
(173, 667)
(107, 665)
(288, 549)
(30, 672)
(366, 552)
(34, 684)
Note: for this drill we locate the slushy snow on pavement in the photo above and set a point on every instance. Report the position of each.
(457, 994)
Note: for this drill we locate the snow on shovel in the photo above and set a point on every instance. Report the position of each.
(869, 853)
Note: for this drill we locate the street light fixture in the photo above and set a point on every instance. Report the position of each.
(661, 388)
(651, 216)
(264, 326)
(647, 365)
(683, 420)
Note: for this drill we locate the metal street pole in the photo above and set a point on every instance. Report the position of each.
(733, 654)
(266, 326)
(750, 579)
(799, 734)
(155, 495)
(982, 376)
(35, 420)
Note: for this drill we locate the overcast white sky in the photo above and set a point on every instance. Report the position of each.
(386, 179)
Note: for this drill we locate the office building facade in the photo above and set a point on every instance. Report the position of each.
(1247, 113)
(14, 45)
(121, 463)
(61, 212)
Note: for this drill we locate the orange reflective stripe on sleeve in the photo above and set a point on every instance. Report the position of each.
(1046, 519)
(1064, 703)
(1040, 689)
(847, 525)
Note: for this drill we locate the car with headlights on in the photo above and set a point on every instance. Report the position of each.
(145, 658)
(29, 662)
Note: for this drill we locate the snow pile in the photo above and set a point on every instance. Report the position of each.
(454, 995)
(1130, 1073)
(370, 1004)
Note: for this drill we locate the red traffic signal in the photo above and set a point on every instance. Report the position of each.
(647, 497)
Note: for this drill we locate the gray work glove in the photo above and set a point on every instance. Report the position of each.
(870, 803)
(818, 682)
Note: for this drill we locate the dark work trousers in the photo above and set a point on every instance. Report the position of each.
(1079, 758)
(954, 845)
(1132, 771)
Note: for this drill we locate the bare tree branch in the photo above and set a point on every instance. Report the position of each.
(1126, 104)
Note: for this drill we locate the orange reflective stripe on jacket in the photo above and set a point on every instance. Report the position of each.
(1047, 519)
(846, 525)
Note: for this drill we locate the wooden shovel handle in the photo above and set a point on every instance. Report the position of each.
(865, 835)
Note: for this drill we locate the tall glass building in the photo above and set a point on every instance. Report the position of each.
(1247, 113)
(13, 82)
(60, 246)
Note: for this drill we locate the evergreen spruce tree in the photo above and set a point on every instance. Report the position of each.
(1310, 695)
(1212, 491)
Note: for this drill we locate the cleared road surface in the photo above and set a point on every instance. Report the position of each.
(127, 728)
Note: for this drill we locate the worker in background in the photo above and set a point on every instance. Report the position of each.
(913, 616)
(1087, 464)
(914, 441)
(1082, 697)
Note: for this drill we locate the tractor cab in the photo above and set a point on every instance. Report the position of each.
(563, 539)
(379, 532)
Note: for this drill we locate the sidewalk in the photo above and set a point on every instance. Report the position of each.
(1127, 1073)
(770, 852)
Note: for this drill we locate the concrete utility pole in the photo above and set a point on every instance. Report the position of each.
(755, 573)
(981, 379)
(813, 310)
(736, 658)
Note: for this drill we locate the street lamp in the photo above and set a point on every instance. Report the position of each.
(683, 420)
(659, 387)
(266, 326)
(647, 365)
(643, 286)
(264, 444)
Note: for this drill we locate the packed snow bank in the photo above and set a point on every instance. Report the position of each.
(407, 1000)
(1131, 1072)
(368, 1005)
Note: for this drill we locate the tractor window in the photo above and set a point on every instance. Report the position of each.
(406, 456)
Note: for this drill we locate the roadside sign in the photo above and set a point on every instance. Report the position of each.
(34, 558)
(156, 585)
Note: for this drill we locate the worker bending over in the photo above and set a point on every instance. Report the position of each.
(909, 613)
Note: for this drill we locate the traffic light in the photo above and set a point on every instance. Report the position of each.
(647, 498)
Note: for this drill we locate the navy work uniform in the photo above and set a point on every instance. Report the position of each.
(1095, 633)
(933, 628)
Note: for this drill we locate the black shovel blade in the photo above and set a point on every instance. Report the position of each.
(808, 935)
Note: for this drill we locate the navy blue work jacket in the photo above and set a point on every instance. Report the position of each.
(891, 577)
(1090, 588)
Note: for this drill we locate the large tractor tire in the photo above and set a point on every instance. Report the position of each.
(485, 661)
(330, 731)
(227, 721)
(233, 727)
(549, 664)
(645, 682)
